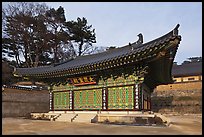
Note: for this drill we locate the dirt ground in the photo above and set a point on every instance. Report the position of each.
(181, 125)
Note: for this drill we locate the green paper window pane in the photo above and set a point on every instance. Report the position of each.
(120, 97)
(91, 99)
(61, 100)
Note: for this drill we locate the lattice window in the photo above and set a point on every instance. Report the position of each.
(120, 97)
(61, 100)
(88, 99)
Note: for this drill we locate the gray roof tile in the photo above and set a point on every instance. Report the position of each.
(188, 69)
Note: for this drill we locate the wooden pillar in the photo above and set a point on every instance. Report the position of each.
(150, 103)
(104, 98)
(71, 100)
(136, 97)
(51, 99)
(141, 99)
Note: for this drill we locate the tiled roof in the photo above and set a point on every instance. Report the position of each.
(108, 59)
(187, 69)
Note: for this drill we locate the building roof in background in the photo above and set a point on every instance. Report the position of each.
(187, 69)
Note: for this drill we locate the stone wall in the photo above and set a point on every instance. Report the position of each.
(181, 99)
(184, 104)
(181, 86)
(17, 102)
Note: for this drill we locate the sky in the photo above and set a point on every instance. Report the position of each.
(118, 23)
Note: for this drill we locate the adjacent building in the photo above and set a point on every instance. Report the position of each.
(187, 76)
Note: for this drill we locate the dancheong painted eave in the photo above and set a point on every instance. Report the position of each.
(129, 54)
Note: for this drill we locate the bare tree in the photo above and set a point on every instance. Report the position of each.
(19, 32)
(34, 34)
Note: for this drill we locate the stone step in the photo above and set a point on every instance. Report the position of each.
(66, 117)
(87, 118)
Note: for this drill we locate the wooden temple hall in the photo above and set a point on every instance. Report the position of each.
(120, 79)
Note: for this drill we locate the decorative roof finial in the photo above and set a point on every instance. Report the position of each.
(140, 40)
(175, 31)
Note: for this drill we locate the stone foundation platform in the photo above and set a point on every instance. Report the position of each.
(107, 117)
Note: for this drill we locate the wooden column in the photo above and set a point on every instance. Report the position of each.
(71, 100)
(104, 98)
(71, 95)
(136, 96)
(150, 103)
(141, 97)
(51, 98)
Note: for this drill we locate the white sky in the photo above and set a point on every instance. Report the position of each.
(118, 23)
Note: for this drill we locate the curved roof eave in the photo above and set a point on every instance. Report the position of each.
(98, 58)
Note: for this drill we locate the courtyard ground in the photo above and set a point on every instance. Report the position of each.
(181, 125)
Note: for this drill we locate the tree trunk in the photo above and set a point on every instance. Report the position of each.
(55, 54)
(29, 55)
(17, 62)
(36, 60)
(80, 48)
